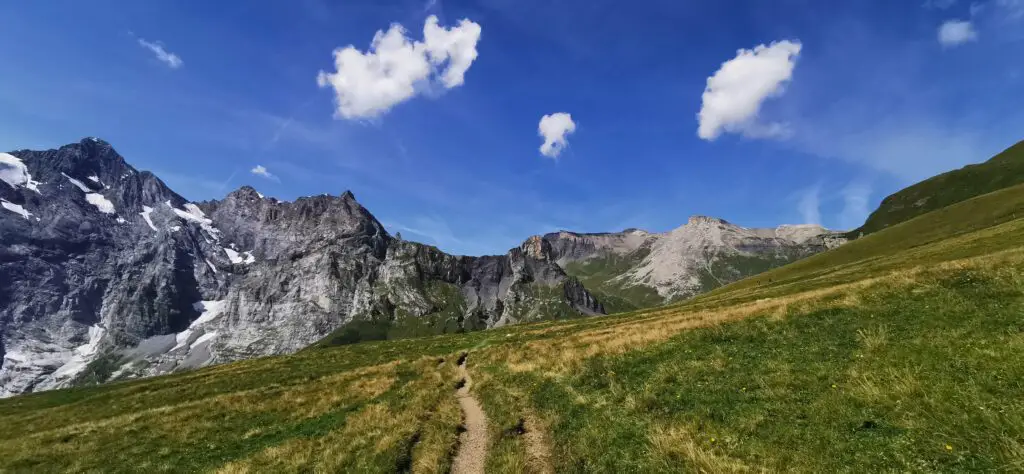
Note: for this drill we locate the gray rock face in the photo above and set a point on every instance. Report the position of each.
(705, 253)
(82, 270)
(106, 273)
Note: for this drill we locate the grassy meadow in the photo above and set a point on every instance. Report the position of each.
(901, 351)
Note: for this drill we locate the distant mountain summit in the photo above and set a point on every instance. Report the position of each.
(635, 269)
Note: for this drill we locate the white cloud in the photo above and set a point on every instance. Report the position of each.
(809, 205)
(260, 170)
(555, 128)
(956, 32)
(172, 60)
(397, 68)
(855, 205)
(734, 94)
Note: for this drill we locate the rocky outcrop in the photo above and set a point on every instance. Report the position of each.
(99, 257)
(106, 273)
(643, 268)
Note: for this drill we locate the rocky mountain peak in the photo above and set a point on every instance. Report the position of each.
(536, 247)
(245, 193)
(706, 220)
(800, 232)
(91, 161)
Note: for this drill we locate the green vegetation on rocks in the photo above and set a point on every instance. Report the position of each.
(601, 275)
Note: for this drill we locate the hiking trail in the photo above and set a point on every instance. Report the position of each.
(472, 451)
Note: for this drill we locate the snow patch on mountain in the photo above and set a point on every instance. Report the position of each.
(103, 204)
(192, 213)
(16, 208)
(146, 211)
(80, 358)
(14, 172)
(209, 310)
(205, 337)
(78, 184)
(237, 257)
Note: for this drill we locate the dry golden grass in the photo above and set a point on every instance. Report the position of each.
(891, 385)
(873, 338)
(181, 423)
(538, 446)
(562, 355)
(427, 418)
(680, 447)
(433, 452)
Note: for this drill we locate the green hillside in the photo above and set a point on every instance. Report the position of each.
(601, 275)
(897, 352)
(1004, 170)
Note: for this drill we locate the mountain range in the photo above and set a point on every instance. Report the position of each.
(106, 273)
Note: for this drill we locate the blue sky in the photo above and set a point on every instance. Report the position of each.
(872, 96)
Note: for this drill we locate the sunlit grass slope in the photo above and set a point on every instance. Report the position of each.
(902, 351)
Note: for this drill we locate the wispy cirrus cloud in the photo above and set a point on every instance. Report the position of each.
(809, 205)
(172, 60)
(856, 199)
(435, 229)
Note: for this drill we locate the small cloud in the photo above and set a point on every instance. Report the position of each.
(809, 205)
(259, 170)
(397, 68)
(734, 94)
(172, 60)
(939, 4)
(956, 32)
(555, 128)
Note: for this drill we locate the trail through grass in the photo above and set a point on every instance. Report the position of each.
(473, 442)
